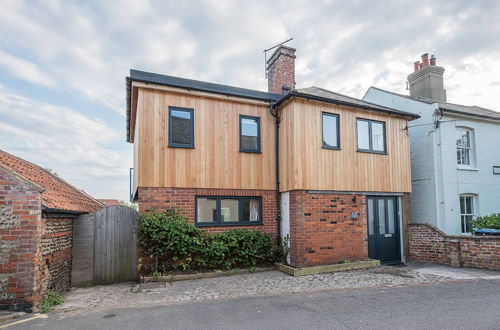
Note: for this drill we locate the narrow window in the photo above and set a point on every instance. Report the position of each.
(180, 127)
(467, 213)
(220, 211)
(331, 131)
(465, 152)
(249, 134)
(371, 136)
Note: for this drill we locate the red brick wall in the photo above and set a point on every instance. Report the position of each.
(428, 243)
(322, 231)
(20, 243)
(182, 200)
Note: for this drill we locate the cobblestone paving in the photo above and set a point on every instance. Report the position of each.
(256, 284)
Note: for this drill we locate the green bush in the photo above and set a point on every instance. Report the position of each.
(52, 299)
(175, 244)
(491, 221)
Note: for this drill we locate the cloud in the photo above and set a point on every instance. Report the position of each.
(73, 145)
(24, 69)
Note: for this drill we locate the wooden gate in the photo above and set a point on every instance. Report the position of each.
(105, 246)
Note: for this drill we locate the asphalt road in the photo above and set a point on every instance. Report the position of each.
(456, 305)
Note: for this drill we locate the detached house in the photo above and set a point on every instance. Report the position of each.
(455, 156)
(329, 172)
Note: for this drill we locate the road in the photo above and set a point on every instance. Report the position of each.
(455, 305)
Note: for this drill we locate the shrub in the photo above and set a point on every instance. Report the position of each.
(491, 221)
(175, 244)
(52, 300)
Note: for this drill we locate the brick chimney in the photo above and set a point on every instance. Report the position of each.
(281, 70)
(427, 80)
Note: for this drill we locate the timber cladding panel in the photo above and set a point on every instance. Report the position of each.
(306, 165)
(216, 161)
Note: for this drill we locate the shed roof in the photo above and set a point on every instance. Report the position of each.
(58, 195)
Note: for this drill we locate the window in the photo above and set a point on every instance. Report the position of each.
(467, 212)
(180, 127)
(219, 211)
(371, 135)
(465, 152)
(331, 131)
(249, 134)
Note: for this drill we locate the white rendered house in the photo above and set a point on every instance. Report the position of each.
(455, 152)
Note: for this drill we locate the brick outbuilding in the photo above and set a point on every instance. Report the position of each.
(37, 210)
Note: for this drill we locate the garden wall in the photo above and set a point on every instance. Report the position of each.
(427, 243)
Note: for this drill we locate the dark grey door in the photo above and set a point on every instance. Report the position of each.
(383, 229)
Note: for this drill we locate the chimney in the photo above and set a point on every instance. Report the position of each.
(426, 81)
(281, 70)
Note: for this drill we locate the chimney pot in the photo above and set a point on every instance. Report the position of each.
(416, 66)
(425, 59)
(433, 60)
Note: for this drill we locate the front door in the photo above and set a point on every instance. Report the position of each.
(383, 229)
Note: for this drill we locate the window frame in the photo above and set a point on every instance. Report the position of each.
(323, 144)
(470, 149)
(172, 144)
(242, 149)
(370, 139)
(219, 222)
(473, 214)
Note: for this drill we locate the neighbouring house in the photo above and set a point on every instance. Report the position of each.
(455, 156)
(37, 210)
(109, 202)
(328, 173)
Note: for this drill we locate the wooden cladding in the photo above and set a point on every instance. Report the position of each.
(216, 160)
(305, 165)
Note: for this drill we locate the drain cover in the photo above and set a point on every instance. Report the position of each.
(107, 316)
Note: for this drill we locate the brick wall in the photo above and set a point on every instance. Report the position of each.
(322, 231)
(57, 242)
(182, 200)
(20, 242)
(427, 243)
(281, 70)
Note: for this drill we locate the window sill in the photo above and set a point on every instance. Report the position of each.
(330, 148)
(251, 151)
(465, 168)
(180, 146)
(226, 224)
(373, 152)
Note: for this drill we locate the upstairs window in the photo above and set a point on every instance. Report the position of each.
(465, 150)
(180, 127)
(371, 136)
(331, 131)
(467, 212)
(249, 134)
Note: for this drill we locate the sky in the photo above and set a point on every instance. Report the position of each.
(63, 63)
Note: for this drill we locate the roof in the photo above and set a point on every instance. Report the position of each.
(164, 80)
(467, 110)
(109, 202)
(58, 195)
(325, 95)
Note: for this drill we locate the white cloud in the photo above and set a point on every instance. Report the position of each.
(24, 69)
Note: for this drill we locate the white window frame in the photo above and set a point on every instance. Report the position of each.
(469, 148)
(463, 215)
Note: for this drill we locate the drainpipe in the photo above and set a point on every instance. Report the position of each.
(273, 110)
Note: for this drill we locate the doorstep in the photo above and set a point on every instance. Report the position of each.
(327, 268)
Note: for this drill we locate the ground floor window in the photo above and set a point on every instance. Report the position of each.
(467, 212)
(219, 211)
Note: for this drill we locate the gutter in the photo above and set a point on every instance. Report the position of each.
(467, 114)
(344, 103)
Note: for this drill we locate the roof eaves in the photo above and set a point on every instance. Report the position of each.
(349, 104)
(468, 114)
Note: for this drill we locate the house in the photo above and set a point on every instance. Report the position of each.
(37, 210)
(109, 202)
(454, 154)
(328, 173)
